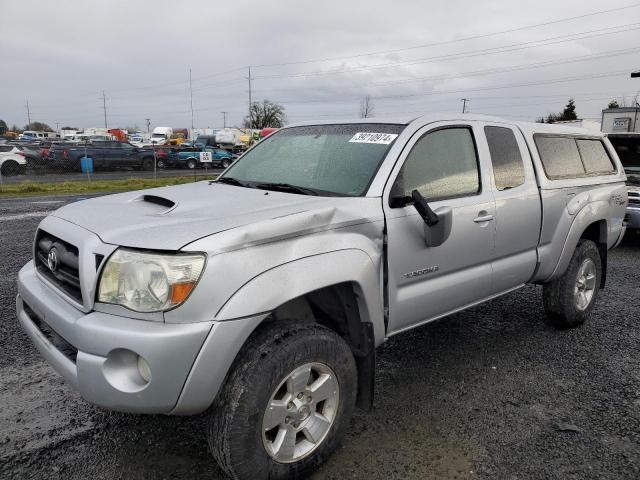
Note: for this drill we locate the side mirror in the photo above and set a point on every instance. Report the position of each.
(423, 208)
(437, 224)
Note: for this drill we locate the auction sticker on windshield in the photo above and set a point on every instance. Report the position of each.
(372, 137)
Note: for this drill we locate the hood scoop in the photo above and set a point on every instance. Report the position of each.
(158, 201)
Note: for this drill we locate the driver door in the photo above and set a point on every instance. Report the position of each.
(442, 162)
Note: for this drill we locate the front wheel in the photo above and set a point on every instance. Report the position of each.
(225, 163)
(286, 404)
(569, 299)
(191, 164)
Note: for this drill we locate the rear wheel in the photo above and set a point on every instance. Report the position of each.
(10, 168)
(147, 163)
(286, 404)
(191, 163)
(225, 163)
(569, 299)
(160, 163)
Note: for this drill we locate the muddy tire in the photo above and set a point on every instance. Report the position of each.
(569, 299)
(286, 404)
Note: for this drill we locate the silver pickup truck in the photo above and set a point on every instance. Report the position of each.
(261, 297)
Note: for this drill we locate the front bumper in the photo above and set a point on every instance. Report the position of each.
(188, 362)
(632, 217)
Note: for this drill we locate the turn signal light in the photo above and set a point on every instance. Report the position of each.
(180, 292)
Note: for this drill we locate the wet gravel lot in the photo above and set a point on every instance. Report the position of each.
(488, 393)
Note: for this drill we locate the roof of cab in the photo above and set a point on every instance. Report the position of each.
(526, 127)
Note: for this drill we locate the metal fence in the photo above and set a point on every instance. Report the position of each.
(57, 163)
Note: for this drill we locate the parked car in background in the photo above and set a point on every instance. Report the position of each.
(161, 135)
(191, 158)
(265, 132)
(12, 160)
(34, 154)
(327, 239)
(205, 141)
(627, 146)
(106, 155)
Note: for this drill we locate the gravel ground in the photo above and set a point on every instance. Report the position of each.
(488, 393)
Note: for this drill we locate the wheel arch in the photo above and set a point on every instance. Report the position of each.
(590, 223)
(343, 295)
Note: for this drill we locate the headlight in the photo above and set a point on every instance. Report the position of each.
(149, 282)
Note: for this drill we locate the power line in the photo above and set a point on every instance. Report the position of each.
(498, 87)
(467, 54)
(447, 42)
(475, 73)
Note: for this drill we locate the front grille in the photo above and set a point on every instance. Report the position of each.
(634, 198)
(62, 267)
(60, 343)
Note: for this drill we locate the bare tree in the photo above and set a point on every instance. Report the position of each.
(366, 107)
(266, 114)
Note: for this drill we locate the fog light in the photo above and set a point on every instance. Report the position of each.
(144, 369)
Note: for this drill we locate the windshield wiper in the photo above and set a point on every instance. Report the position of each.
(231, 181)
(286, 187)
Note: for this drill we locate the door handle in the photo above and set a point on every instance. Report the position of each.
(483, 218)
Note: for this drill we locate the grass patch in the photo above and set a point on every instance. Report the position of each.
(27, 188)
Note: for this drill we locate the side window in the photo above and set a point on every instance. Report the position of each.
(560, 157)
(5, 148)
(594, 156)
(508, 168)
(442, 164)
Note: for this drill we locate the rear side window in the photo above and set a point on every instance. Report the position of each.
(508, 168)
(5, 148)
(570, 157)
(594, 156)
(560, 157)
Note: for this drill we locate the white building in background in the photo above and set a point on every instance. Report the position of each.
(621, 120)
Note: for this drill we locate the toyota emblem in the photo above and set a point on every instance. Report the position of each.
(52, 259)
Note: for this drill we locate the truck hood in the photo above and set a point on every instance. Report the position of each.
(170, 218)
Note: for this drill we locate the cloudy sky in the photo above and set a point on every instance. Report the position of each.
(319, 59)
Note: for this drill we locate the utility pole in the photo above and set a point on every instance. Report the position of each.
(224, 119)
(250, 112)
(28, 115)
(464, 104)
(148, 120)
(104, 108)
(191, 96)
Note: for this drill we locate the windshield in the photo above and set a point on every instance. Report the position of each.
(331, 159)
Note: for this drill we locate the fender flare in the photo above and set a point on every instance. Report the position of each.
(250, 305)
(272, 288)
(592, 212)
